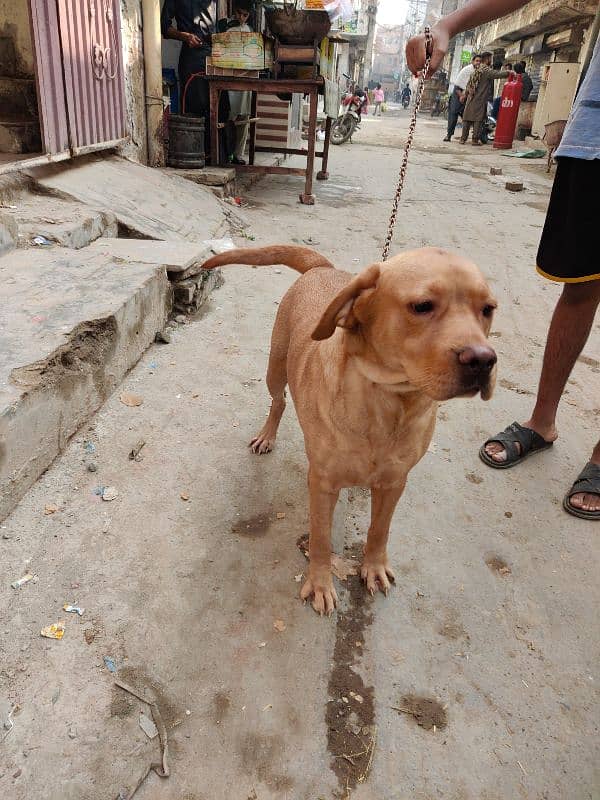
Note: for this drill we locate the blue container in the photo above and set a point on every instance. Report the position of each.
(170, 78)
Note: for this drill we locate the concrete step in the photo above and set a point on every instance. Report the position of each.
(63, 222)
(73, 323)
(19, 133)
(18, 96)
(8, 56)
(147, 203)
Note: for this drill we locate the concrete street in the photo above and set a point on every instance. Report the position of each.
(190, 577)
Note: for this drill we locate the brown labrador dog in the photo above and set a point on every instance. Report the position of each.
(368, 357)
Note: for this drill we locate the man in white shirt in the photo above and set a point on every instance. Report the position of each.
(457, 103)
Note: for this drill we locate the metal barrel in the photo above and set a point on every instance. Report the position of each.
(186, 141)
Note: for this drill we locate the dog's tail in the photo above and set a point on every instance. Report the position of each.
(299, 258)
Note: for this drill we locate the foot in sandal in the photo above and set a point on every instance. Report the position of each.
(517, 442)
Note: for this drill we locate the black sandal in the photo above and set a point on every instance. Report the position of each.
(588, 482)
(530, 441)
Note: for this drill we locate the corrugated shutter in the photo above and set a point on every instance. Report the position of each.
(49, 77)
(90, 32)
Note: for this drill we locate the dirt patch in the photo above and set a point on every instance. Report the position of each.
(221, 705)
(512, 387)
(472, 477)
(85, 351)
(590, 362)
(350, 713)
(427, 712)
(260, 754)
(123, 704)
(498, 565)
(453, 630)
(253, 527)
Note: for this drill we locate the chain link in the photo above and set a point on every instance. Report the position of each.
(408, 145)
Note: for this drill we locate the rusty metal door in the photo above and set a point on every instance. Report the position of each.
(92, 57)
(49, 77)
(80, 74)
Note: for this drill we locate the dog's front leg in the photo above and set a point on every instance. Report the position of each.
(319, 583)
(375, 570)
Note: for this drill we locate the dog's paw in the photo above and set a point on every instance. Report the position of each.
(263, 443)
(377, 575)
(320, 587)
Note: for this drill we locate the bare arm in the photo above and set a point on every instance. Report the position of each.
(474, 13)
(187, 38)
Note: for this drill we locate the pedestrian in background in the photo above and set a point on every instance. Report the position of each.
(240, 102)
(457, 98)
(479, 92)
(378, 99)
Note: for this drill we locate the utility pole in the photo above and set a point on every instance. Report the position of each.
(371, 12)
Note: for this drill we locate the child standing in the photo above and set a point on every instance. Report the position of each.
(240, 102)
(378, 99)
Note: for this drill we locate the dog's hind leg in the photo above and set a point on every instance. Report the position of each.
(276, 383)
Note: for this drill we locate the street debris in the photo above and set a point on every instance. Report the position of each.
(495, 170)
(92, 466)
(73, 609)
(22, 581)
(148, 726)
(89, 447)
(110, 493)
(89, 635)
(298, 578)
(279, 625)
(41, 241)
(499, 565)
(514, 186)
(134, 453)
(162, 768)
(55, 696)
(130, 399)
(110, 664)
(6, 712)
(54, 631)
(106, 525)
(163, 337)
(185, 497)
(50, 508)
(219, 246)
(72, 732)
(427, 712)
(281, 515)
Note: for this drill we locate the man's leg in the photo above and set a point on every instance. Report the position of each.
(465, 131)
(477, 126)
(569, 331)
(453, 110)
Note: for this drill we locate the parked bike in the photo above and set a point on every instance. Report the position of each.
(347, 123)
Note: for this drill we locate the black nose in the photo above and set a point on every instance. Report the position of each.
(479, 358)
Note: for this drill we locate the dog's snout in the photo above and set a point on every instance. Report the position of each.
(478, 358)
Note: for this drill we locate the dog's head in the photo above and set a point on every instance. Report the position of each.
(423, 318)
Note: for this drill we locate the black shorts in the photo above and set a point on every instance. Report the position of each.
(568, 251)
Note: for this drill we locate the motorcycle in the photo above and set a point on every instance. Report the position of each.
(488, 131)
(405, 101)
(347, 123)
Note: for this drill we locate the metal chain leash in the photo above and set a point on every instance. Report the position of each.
(408, 145)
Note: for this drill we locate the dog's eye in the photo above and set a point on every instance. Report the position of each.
(488, 310)
(423, 308)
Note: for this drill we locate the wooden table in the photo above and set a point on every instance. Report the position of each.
(311, 88)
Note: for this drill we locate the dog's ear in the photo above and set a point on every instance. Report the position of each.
(340, 312)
